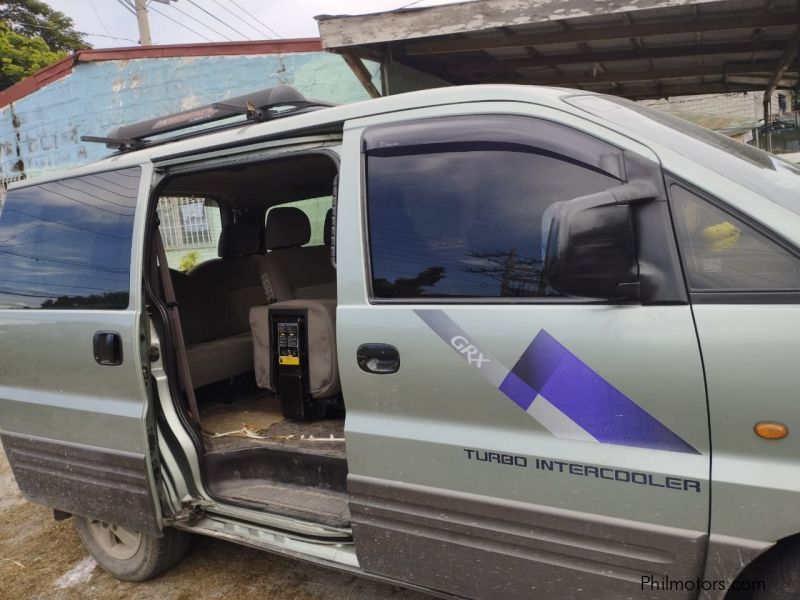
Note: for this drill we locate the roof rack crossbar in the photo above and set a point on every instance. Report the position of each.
(262, 105)
(123, 144)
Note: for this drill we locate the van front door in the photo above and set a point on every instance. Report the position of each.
(529, 445)
(74, 417)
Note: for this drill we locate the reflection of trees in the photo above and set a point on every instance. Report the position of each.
(408, 287)
(107, 300)
(518, 276)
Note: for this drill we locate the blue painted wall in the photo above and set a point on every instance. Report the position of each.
(43, 129)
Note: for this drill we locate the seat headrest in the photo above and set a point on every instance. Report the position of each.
(237, 239)
(287, 227)
(327, 233)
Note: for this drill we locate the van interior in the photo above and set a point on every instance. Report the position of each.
(249, 252)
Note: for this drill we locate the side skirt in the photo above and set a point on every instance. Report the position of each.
(339, 556)
(485, 548)
(84, 480)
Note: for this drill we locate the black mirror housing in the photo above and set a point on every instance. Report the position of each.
(591, 246)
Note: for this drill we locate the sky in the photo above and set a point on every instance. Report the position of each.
(111, 24)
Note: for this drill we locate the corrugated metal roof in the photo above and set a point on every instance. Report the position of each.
(644, 49)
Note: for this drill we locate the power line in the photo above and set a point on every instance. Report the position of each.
(127, 7)
(158, 12)
(248, 23)
(215, 17)
(97, 16)
(256, 19)
(38, 26)
(196, 20)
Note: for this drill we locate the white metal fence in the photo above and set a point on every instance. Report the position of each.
(188, 223)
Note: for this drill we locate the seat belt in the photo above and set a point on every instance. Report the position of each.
(267, 285)
(184, 375)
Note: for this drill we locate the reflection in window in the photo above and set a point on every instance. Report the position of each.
(723, 254)
(467, 222)
(67, 244)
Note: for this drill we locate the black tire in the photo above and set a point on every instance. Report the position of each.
(779, 569)
(151, 557)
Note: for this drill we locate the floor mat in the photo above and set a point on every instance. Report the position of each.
(259, 413)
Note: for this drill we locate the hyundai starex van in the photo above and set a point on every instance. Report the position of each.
(486, 342)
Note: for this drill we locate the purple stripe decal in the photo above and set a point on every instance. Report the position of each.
(575, 389)
(548, 369)
(519, 391)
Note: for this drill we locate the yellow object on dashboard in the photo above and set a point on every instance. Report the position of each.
(722, 235)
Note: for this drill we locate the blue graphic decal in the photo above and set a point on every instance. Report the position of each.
(561, 392)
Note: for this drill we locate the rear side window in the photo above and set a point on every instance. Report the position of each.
(190, 228)
(723, 254)
(458, 209)
(316, 209)
(67, 244)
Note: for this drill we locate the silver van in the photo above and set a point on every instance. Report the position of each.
(486, 342)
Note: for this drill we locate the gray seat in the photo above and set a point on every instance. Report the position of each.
(304, 279)
(295, 271)
(323, 366)
(214, 301)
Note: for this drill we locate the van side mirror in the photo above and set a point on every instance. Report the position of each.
(591, 246)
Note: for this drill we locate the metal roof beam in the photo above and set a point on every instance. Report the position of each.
(784, 62)
(361, 72)
(684, 90)
(545, 60)
(570, 79)
(589, 34)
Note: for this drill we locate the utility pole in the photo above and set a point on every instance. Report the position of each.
(144, 24)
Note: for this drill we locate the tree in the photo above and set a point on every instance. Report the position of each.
(21, 56)
(32, 36)
(33, 18)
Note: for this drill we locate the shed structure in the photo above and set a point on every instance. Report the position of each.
(638, 49)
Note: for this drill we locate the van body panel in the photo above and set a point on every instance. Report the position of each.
(79, 435)
(752, 376)
(446, 427)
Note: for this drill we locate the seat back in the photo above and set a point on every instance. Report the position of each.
(323, 366)
(296, 271)
(231, 284)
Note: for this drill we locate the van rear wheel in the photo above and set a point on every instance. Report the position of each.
(131, 555)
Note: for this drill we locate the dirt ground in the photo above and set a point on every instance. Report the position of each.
(43, 559)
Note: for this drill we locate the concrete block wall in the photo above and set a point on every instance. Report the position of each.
(41, 132)
(748, 106)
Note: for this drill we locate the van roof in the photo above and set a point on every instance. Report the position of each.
(323, 120)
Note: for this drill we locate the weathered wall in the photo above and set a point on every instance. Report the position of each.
(747, 107)
(41, 132)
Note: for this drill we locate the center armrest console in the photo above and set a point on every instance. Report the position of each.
(294, 353)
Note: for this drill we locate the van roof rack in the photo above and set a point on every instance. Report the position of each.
(263, 105)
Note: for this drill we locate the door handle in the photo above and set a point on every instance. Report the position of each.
(381, 359)
(107, 347)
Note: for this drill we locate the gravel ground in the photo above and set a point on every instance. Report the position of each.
(44, 559)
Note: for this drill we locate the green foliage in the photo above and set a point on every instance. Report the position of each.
(189, 261)
(33, 18)
(21, 56)
(32, 36)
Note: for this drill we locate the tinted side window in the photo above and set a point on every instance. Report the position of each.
(452, 217)
(67, 244)
(721, 253)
